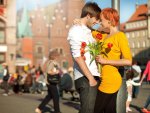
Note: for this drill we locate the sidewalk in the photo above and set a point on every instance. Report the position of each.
(138, 103)
(26, 103)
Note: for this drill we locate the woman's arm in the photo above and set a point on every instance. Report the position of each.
(121, 62)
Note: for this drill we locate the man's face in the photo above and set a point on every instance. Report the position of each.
(92, 21)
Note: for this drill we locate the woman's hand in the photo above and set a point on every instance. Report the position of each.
(100, 59)
(76, 22)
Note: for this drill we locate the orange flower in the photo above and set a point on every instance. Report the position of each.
(83, 44)
(97, 35)
(82, 51)
(109, 45)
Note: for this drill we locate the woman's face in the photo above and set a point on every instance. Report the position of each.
(104, 22)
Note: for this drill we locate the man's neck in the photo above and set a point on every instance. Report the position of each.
(84, 21)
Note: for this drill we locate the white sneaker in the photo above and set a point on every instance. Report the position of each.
(37, 110)
(5, 94)
(128, 109)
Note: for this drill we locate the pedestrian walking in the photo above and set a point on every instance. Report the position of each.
(6, 76)
(146, 72)
(52, 92)
(130, 83)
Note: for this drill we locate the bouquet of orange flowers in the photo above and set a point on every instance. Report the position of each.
(95, 48)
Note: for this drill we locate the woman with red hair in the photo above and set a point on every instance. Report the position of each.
(118, 55)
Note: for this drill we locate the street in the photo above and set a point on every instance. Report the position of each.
(26, 103)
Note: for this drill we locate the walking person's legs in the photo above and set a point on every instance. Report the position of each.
(6, 86)
(146, 105)
(45, 101)
(147, 102)
(55, 96)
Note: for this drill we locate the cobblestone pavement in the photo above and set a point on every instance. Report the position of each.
(26, 103)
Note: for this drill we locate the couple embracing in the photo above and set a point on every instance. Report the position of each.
(98, 91)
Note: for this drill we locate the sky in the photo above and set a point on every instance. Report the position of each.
(127, 7)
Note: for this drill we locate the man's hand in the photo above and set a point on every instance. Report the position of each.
(92, 81)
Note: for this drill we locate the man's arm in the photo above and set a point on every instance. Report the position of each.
(74, 38)
(85, 70)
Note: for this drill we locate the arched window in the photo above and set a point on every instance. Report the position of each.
(39, 50)
(2, 32)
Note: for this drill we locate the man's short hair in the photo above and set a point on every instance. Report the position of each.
(92, 9)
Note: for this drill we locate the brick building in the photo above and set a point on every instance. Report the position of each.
(50, 27)
(8, 33)
(65, 12)
(137, 29)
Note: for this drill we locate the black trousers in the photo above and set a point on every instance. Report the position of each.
(105, 103)
(52, 94)
(87, 94)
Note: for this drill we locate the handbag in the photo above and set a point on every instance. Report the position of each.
(5, 78)
(53, 79)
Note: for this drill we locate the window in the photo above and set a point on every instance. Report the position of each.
(39, 50)
(2, 32)
(138, 44)
(133, 45)
(144, 43)
(65, 64)
(127, 34)
(59, 50)
(2, 57)
(138, 34)
(144, 33)
(133, 54)
(133, 35)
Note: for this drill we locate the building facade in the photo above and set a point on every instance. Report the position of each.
(65, 12)
(8, 33)
(49, 26)
(137, 30)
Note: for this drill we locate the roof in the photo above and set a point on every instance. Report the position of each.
(140, 13)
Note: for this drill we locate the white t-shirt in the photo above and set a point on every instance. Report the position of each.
(78, 34)
(137, 69)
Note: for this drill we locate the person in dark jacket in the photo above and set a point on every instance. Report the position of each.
(66, 82)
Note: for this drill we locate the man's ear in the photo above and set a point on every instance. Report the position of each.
(88, 16)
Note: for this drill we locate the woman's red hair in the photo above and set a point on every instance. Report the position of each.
(111, 15)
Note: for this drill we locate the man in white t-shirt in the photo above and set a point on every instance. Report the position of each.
(135, 89)
(86, 74)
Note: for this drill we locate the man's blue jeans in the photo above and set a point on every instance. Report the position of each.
(87, 94)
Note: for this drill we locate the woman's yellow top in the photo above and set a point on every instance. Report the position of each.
(111, 78)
